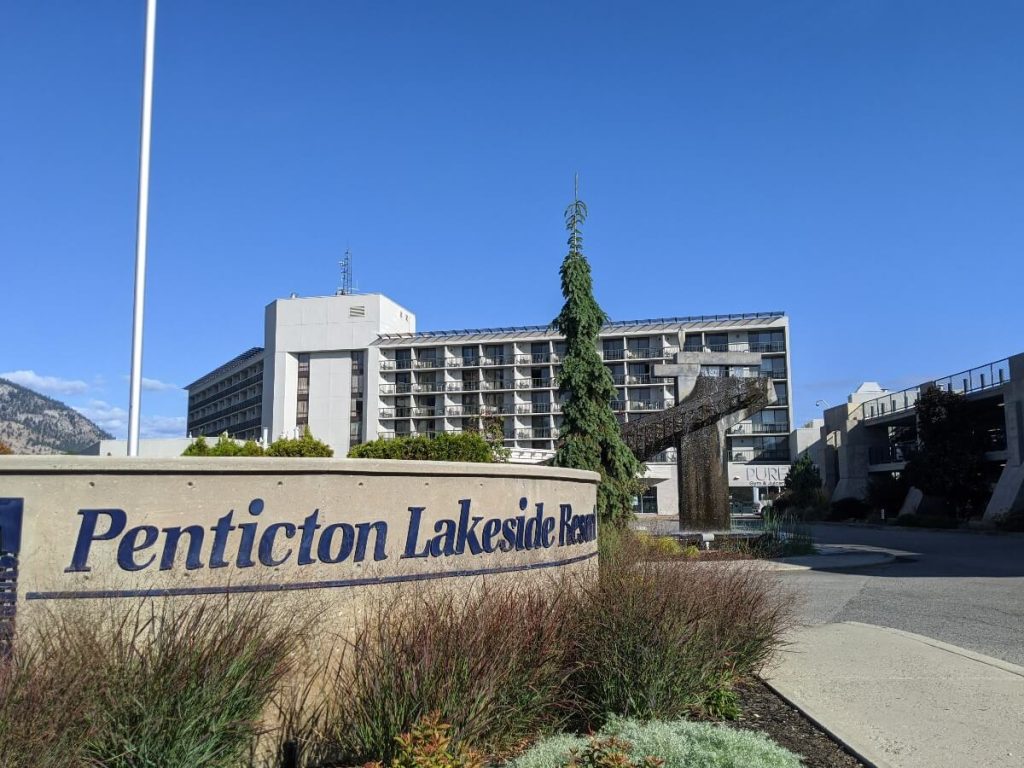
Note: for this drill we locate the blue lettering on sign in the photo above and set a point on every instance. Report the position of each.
(313, 541)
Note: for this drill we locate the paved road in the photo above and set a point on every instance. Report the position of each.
(964, 589)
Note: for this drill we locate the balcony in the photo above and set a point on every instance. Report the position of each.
(395, 389)
(758, 428)
(428, 411)
(428, 362)
(534, 358)
(395, 365)
(762, 347)
(543, 383)
(395, 413)
(504, 409)
(536, 433)
(497, 384)
(496, 360)
(539, 408)
(753, 456)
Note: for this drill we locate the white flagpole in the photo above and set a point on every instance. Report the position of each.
(140, 236)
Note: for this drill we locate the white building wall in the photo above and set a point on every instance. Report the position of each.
(328, 328)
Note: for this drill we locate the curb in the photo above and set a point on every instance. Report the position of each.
(981, 658)
(866, 560)
(824, 728)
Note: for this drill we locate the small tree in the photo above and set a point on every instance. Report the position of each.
(5, 449)
(590, 437)
(949, 462)
(803, 483)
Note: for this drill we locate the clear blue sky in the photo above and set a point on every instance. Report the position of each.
(857, 164)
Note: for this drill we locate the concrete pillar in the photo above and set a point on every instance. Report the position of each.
(1008, 495)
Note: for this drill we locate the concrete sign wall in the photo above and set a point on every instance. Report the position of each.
(759, 475)
(114, 529)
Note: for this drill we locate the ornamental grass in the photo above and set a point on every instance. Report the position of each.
(157, 684)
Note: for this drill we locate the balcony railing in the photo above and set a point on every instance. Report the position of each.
(395, 365)
(753, 456)
(641, 405)
(534, 358)
(758, 428)
(538, 408)
(536, 433)
(763, 347)
(974, 380)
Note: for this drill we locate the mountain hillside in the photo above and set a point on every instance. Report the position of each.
(34, 423)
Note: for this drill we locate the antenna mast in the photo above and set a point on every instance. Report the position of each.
(346, 274)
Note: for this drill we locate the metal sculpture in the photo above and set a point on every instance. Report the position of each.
(695, 427)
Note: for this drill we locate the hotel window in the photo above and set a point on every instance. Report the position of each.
(356, 414)
(302, 392)
(716, 342)
(647, 503)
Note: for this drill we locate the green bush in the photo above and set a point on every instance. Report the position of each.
(143, 686)
(305, 446)
(664, 547)
(679, 743)
(447, 446)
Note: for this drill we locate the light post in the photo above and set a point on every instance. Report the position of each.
(142, 222)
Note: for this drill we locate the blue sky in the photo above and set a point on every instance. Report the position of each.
(857, 164)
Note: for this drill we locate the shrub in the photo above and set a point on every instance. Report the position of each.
(849, 508)
(785, 535)
(305, 446)
(429, 745)
(198, 447)
(679, 744)
(662, 640)
(664, 547)
(150, 685)
(5, 449)
(490, 663)
(447, 446)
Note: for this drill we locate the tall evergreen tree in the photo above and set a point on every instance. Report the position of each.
(590, 437)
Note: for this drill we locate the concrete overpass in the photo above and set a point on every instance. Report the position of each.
(873, 433)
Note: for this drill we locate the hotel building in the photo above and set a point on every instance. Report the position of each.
(354, 368)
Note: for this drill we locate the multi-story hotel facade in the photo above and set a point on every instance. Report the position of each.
(353, 368)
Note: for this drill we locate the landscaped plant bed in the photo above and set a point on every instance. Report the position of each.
(768, 713)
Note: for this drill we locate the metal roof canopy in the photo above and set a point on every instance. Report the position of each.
(247, 355)
(526, 331)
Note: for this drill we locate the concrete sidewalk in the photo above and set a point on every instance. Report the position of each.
(901, 700)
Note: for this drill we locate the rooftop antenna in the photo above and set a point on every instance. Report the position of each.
(346, 274)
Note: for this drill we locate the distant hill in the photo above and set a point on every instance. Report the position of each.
(34, 423)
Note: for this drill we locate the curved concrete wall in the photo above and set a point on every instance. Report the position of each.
(102, 529)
